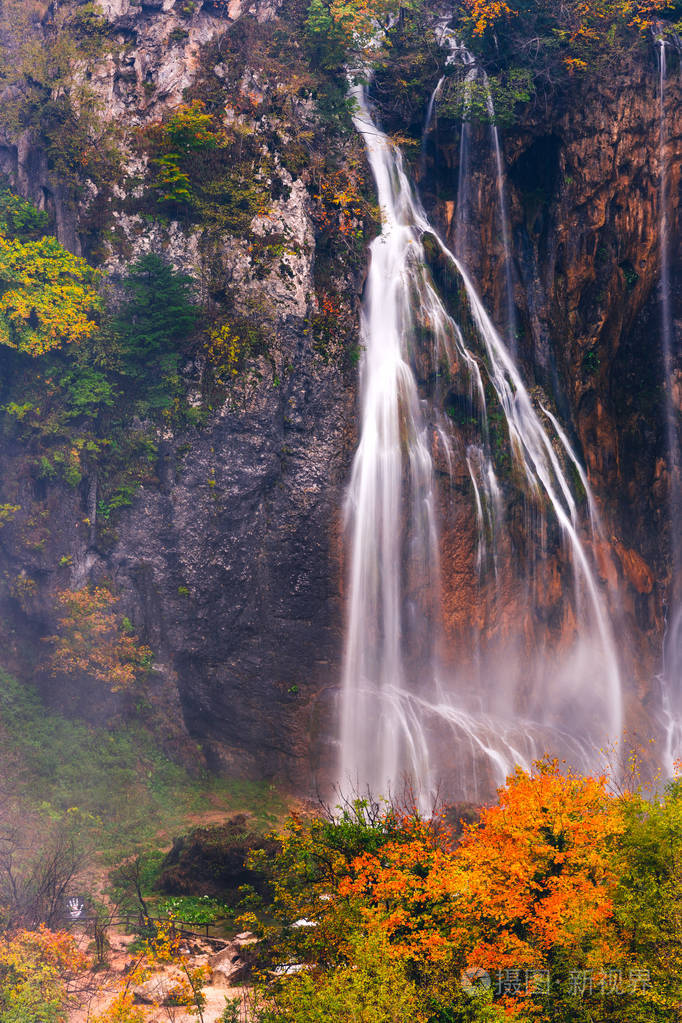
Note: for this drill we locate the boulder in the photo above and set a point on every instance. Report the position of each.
(227, 966)
(157, 990)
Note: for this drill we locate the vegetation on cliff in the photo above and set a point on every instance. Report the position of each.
(48, 296)
(44, 53)
(529, 50)
(94, 643)
(97, 359)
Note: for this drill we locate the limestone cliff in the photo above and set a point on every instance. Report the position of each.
(227, 560)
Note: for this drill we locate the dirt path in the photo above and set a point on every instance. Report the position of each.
(98, 989)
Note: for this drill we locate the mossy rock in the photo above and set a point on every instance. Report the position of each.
(213, 861)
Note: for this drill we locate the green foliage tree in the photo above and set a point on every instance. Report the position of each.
(324, 38)
(87, 389)
(155, 320)
(187, 132)
(174, 185)
(20, 219)
(649, 897)
(339, 28)
(372, 988)
(470, 101)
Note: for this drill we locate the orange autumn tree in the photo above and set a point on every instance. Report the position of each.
(485, 14)
(527, 895)
(536, 876)
(95, 640)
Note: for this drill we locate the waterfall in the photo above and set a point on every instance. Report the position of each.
(394, 538)
(404, 710)
(672, 644)
(474, 73)
(430, 109)
(504, 221)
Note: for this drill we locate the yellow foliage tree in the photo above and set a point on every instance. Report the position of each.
(37, 972)
(47, 296)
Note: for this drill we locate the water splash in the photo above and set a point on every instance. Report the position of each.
(403, 712)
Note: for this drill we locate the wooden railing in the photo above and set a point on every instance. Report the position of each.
(137, 923)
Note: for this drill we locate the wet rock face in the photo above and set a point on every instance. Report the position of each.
(230, 565)
(583, 187)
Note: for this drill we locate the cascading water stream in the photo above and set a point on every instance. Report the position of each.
(672, 644)
(459, 55)
(435, 95)
(401, 709)
(504, 220)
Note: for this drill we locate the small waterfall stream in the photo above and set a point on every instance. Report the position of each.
(672, 647)
(473, 74)
(506, 234)
(405, 712)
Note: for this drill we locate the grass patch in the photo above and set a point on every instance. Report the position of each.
(138, 796)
